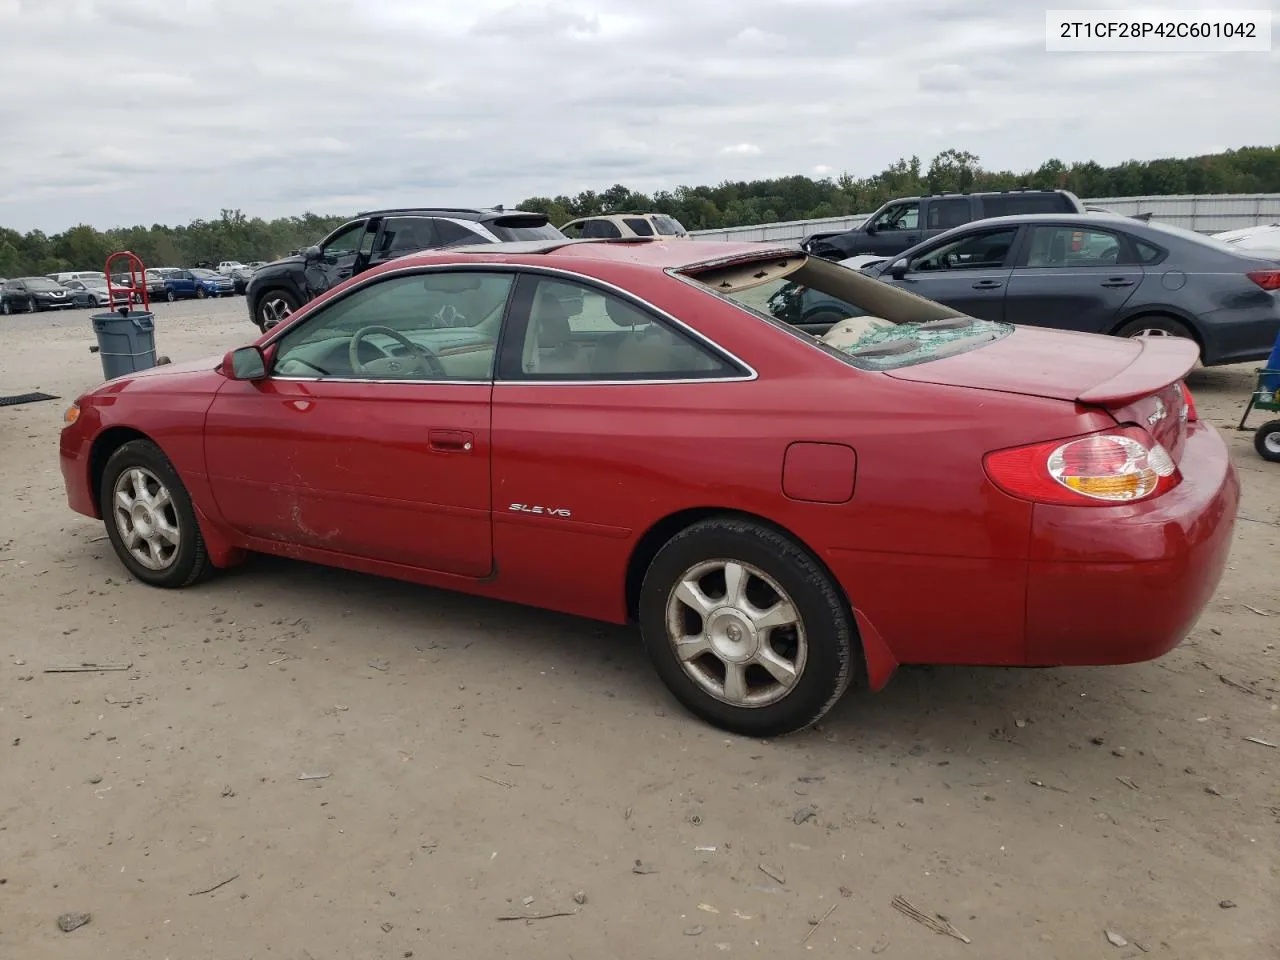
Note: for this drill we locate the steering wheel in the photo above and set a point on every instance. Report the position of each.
(423, 361)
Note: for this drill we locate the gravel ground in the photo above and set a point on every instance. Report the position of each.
(483, 761)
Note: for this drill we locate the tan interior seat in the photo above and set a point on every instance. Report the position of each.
(849, 331)
(549, 346)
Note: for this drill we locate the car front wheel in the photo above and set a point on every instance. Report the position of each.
(274, 307)
(746, 628)
(201, 293)
(149, 517)
(6, 308)
(170, 296)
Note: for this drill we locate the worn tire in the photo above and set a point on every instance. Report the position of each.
(191, 562)
(1266, 440)
(833, 650)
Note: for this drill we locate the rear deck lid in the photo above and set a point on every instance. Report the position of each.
(1086, 368)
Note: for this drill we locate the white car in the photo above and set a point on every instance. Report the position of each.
(862, 260)
(228, 267)
(1263, 241)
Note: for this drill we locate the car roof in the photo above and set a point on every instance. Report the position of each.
(643, 251)
(480, 214)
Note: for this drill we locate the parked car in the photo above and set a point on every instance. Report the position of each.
(92, 293)
(769, 506)
(184, 284)
(373, 238)
(1259, 241)
(240, 278)
(78, 275)
(1112, 275)
(228, 267)
(617, 226)
(901, 224)
(29, 294)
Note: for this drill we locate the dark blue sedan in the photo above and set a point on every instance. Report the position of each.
(185, 284)
(1101, 273)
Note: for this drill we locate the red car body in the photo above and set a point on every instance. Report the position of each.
(557, 494)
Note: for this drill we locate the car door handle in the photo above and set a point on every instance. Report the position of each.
(1117, 282)
(450, 441)
(988, 285)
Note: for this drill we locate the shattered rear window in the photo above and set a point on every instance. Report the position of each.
(910, 343)
(865, 321)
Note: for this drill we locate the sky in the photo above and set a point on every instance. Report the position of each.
(120, 112)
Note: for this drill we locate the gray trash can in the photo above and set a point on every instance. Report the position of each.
(126, 341)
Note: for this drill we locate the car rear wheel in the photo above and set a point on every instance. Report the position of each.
(170, 296)
(1267, 441)
(273, 307)
(6, 308)
(149, 518)
(746, 628)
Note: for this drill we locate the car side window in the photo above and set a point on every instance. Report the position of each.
(423, 326)
(1147, 252)
(900, 216)
(1067, 247)
(346, 242)
(945, 214)
(577, 332)
(601, 230)
(982, 250)
(403, 235)
(450, 234)
(639, 226)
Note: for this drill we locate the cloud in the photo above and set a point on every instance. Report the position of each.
(138, 111)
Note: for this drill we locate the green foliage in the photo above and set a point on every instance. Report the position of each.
(233, 236)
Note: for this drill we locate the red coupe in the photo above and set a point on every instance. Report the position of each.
(626, 431)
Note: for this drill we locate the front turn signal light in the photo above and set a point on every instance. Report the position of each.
(72, 414)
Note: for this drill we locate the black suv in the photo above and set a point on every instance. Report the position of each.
(373, 238)
(900, 224)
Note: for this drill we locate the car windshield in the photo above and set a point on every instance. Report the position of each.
(1192, 237)
(42, 283)
(505, 231)
(867, 323)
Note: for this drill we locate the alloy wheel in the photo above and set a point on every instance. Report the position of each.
(736, 633)
(146, 518)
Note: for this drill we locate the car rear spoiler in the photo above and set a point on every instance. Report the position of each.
(1162, 361)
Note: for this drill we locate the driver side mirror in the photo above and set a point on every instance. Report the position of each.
(899, 269)
(312, 252)
(245, 363)
(870, 229)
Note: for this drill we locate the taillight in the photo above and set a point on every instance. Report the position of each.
(1124, 465)
(1190, 403)
(1266, 279)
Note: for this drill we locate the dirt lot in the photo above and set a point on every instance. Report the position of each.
(479, 755)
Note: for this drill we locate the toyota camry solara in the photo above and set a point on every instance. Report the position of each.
(622, 431)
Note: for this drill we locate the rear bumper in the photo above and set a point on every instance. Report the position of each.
(1124, 584)
(1241, 335)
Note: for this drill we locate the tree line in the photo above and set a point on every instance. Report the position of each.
(233, 236)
